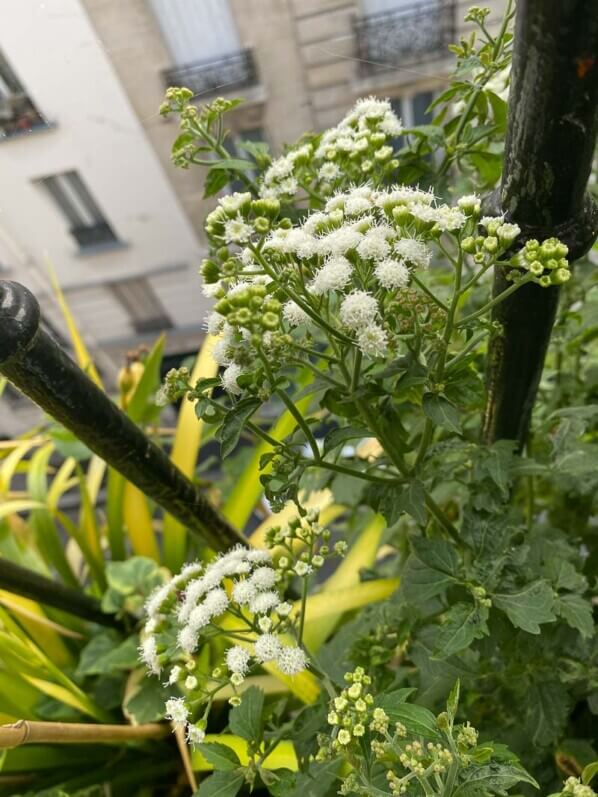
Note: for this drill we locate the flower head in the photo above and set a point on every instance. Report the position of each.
(358, 309)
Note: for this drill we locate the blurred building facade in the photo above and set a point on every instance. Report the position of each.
(86, 178)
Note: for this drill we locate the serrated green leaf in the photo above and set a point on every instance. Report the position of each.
(577, 612)
(436, 553)
(222, 757)
(529, 608)
(465, 622)
(440, 410)
(221, 784)
(337, 437)
(493, 778)
(416, 719)
(246, 720)
(233, 424)
(419, 582)
(548, 707)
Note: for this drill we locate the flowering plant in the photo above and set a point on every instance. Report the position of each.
(351, 302)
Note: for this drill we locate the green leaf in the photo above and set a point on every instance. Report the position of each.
(412, 499)
(246, 720)
(464, 623)
(215, 181)
(452, 703)
(529, 608)
(577, 612)
(337, 437)
(147, 704)
(140, 406)
(416, 719)
(493, 778)
(221, 784)
(316, 782)
(438, 554)
(107, 653)
(419, 582)
(233, 424)
(440, 410)
(221, 756)
(548, 709)
(589, 772)
(234, 164)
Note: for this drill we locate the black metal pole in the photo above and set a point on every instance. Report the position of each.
(37, 365)
(29, 584)
(549, 147)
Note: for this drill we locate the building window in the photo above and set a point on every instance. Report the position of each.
(86, 221)
(204, 46)
(18, 113)
(413, 110)
(144, 308)
(393, 33)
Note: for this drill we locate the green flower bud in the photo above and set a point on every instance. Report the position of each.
(209, 271)
(223, 306)
(285, 224)
(378, 138)
(270, 321)
(222, 253)
(261, 225)
(272, 305)
(240, 298)
(536, 268)
(468, 245)
(545, 281)
(491, 244)
(560, 276)
(401, 214)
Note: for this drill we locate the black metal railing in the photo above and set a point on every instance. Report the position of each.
(94, 235)
(35, 364)
(404, 35)
(227, 73)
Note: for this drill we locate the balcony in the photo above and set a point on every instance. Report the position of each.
(227, 73)
(18, 116)
(404, 36)
(94, 235)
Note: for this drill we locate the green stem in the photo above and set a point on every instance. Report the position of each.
(497, 300)
(358, 474)
(429, 293)
(471, 345)
(290, 405)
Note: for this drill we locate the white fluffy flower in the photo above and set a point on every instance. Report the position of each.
(371, 108)
(236, 231)
(264, 602)
(332, 276)
(294, 314)
(291, 660)
(229, 378)
(374, 244)
(148, 653)
(372, 340)
(243, 592)
(356, 205)
(210, 290)
(154, 603)
(414, 252)
(234, 202)
(195, 735)
(216, 602)
(199, 617)
(339, 242)
(284, 609)
(177, 711)
(329, 171)
(237, 660)
(264, 578)
(187, 639)
(267, 647)
(358, 309)
(471, 203)
(214, 323)
(392, 274)
(258, 556)
(175, 674)
(391, 125)
(450, 219)
(221, 352)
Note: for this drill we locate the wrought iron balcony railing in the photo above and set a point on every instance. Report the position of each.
(229, 72)
(405, 35)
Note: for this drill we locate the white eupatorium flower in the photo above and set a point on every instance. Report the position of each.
(229, 378)
(236, 231)
(264, 602)
(392, 274)
(148, 652)
(243, 592)
(470, 204)
(334, 275)
(414, 252)
(177, 711)
(263, 578)
(374, 244)
(291, 660)
(195, 735)
(294, 315)
(358, 309)
(237, 660)
(329, 172)
(267, 647)
(373, 341)
(339, 242)
(233, 203)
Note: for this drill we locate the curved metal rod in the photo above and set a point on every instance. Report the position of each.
(29, 584)
(35, 364)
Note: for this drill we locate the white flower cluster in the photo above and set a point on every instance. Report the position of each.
(360, 139)
(242, 583)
